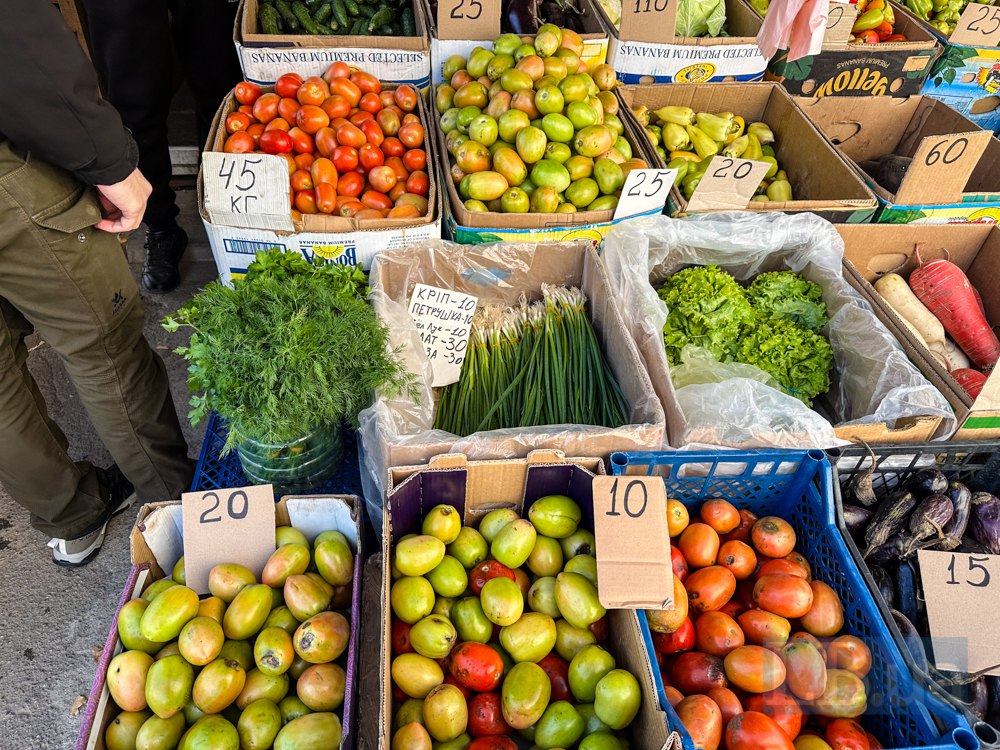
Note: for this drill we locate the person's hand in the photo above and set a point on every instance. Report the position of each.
(124, 203)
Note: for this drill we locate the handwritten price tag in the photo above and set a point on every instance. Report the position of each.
(468, 19)
(958, 589)
(727, 185)
(839, 22)
(978, 26)
(636, 574)
(941, 167)
(644, 190)
(226, 526)
(443, 318)
(648, 21)
(247, 190)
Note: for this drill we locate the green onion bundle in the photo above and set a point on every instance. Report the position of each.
(534, 364)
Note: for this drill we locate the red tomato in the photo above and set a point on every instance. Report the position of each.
(366, 82)
(405, 97)
(476, 666)
(380, 178)
(326, 141)
(699, 543)
(780, 706)
(313, 91)
(680, 640)
(693, 672)
(311, 118)
(742, 532)
(287, 108)
(419, 183)
(485, 571)
(557, 670)
(415, 159)
(239, 142)
(246, 109)
(301, 180)
(323, 172)
(350, 135)
(720, 514)
(773, 536)
(402, 173)
(336, 106)
(393, 147)
(492, 743)
(728, 703)
(449, 679)
(412, 135)
(347, 89)
(398, 190)
(377, 200)
(255, 131)
(486, 716)
(278, 123)
(359, 116)
(237, 121)
(388, 120)
(265, 108)
(287, 85)
(370, 158)
(677, 561)
(401, 637)
(752, 730)
(292, 166)
(305, 201)
(717, 634)
(247, 93)
(351, 207)
(303, 161)
(410, 117)
(386, 98)
(846, 734)
(302, 142)
(370, 103)
(344, 158)
(352, 183)
(275, 142)
(337, 70)
(372, 132)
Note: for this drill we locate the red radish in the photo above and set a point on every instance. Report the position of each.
(945, 290)
(972, 381)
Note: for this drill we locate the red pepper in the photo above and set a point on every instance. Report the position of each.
(884, 31)
(866, 37)
(897, 38)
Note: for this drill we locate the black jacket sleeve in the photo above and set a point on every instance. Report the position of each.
(52, 104)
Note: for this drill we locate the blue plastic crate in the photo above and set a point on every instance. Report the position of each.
(215, 472)
(798, 486)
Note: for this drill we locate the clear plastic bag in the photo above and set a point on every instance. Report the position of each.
(872, 382)
(399, 431)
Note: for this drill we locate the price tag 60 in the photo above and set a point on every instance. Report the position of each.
(958, 588)
(468, 19)
(644, 190)
(941, 167)
(728, 184)
(978, 26)
(839, 22)
(226, 526)
(630, 527)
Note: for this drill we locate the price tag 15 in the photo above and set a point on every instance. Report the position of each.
(978, 26)
(226, 526)
(247, 190)
(644, 190)
(728, 184)
(648, 21)
(839, 22)
(958, 589)
(468, 19)
(630, 528)
(941, 167)
(443, 318)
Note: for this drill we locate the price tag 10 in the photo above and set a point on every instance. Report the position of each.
(728, 184)
(941, 167)
(648, 21)
(630, 528)
(226, 526)
(443, 318)
(958, 589)
(247, 190)
(978, 26)
(644, 190)
(468, 19)
(839, 22)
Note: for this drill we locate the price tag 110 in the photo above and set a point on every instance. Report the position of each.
(630, 528)
(941, 167)
(247, 190)
(839, 22)
(648, 21)
(728, 184)
(978, 26)
(443, 318)
(958, 589)
(226, 526)
(468, 19)
(644, 190)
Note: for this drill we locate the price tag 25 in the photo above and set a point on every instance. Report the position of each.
(941, 167)
(229, 525)
(644, 190)
(978, 26)
(728, 184)
(468, 19)
(630, 527)
(956, 587)
(839, 22)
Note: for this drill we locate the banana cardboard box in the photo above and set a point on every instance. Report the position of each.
(923, 161)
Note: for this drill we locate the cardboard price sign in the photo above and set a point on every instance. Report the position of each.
(941, 167)
(443, 319)
(644, 190)
(728, 184)
(978, 26)
(247, 190)
(226, 526)
(648, 21)
(630, 527)
(958, 589)
(468, 19)
(839, 22)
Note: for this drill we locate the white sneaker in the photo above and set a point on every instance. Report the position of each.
(74, 553)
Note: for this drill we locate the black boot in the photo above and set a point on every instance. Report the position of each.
(160, 273)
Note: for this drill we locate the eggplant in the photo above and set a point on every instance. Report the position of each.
(971, 547)
(993, 700)
(986, 521)
(929, 518)
(928, 482)
(961, 500)
(889, 517)
(856, 517)
(895, 549)
(521, 16)
(884, 583)
(551, 13)
(906, 590)
(888, 171)
(978, 697)
(911, 638)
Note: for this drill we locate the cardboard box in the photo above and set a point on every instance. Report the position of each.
(335, 239)
(872, 251)
(863, 128)
(822, 181)
(888, 69)
(396, 59)
(675, 59)
(395, 433)
(157, 543)
(967, 79)
(477, 487)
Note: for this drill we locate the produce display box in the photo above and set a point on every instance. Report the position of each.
(478, 487)
(595, 37)
(335, 239)
(967, 189)
(975, 248)
(264, 57)
(886, 69)
(676, 59)
(157, 542)
(798, 486)
(822, 181)
(392, 432)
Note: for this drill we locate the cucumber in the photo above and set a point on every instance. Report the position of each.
(359, 26)
(340, 12)
(353, 7)
(409, 25)
(288, 18)
(367, 11)
(269, 19)
(302, 14)
(394, 29)
(382, 17)
(322, 13)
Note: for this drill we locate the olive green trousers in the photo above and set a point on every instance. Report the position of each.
(71, 283)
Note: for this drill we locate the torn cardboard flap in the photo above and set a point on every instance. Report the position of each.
(247, 190)
(941, 168)
(839, 23)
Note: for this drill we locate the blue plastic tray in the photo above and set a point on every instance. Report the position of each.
(215, 472)
(798, 486)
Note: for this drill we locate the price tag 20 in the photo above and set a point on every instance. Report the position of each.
(247, 190)
(728, 184)
(958, 588)
(443, 318)
(648, 20)
(630, 528)
(839, 22)
(978, 26)
(941, 167)
(226, 526)
(644, 190)
(468, 19)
